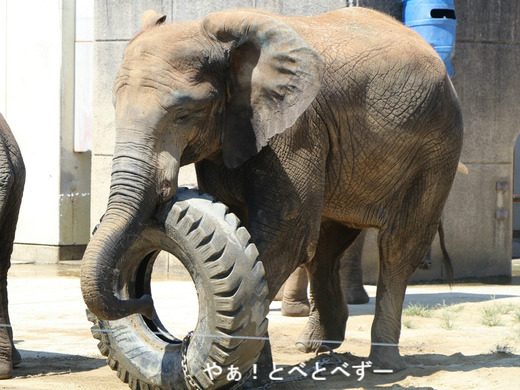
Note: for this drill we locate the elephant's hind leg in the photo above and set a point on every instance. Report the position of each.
(351, 274)
(329, 313)
(295, 302)
(401, 250)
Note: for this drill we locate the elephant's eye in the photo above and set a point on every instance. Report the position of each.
(185, 115)
(182, 116)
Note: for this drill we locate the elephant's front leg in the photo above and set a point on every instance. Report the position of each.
(285, 233)
(329, 313)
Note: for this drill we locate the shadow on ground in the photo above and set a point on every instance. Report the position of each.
(431, 300)
(420, 365)
(40, 364)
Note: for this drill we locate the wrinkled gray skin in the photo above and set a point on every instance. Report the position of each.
(310, 129)
(12, 180)
(295, 302)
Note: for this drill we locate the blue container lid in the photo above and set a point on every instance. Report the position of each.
(419, 12)
(435, 3)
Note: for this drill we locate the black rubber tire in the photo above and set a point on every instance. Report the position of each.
(231, 291)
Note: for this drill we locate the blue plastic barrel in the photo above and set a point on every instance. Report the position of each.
(435, 21)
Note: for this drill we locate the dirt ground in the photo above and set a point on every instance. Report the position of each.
(467, 337)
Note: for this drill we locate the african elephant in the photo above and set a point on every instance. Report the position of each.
(309, 128)
(12, 179)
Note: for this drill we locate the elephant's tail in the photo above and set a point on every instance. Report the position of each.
(446, 260)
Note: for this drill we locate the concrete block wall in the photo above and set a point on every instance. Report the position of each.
(486, 63)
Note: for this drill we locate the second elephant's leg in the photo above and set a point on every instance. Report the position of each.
(5, 333)
(329, 313)
(10, 201)
(9, 356)
(351, 274)
(295, 302)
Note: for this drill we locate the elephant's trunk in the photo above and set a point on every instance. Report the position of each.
(130, 204)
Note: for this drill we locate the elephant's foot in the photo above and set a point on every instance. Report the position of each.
(312, 338)
(356, 295)
(6, 369)
(295, 308)
(386, 359)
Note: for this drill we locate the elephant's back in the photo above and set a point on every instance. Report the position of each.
(366, 41)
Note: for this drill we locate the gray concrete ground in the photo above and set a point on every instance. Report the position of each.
(50, 327)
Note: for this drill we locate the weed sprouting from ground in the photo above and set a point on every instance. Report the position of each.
(409, 324)
(418, 310)
(453, 308)
(505, 308)
(516, 334)
(490, 316)
(448, 314)
(447, 320)
(516, 315)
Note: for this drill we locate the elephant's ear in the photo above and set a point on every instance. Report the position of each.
(274, 76)
(151, 18)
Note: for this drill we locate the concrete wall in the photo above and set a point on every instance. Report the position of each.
(487, 80)
(37, 87)
(516, 188)
(84, 75)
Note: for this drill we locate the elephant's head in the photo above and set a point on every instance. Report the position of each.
(186, 91)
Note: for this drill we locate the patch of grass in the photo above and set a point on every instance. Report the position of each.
(516, 315)
(447, 320)
(454, 308)
(491, 316)
(409, 324)
(418, 310)
(505, 308)
(516, 334)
